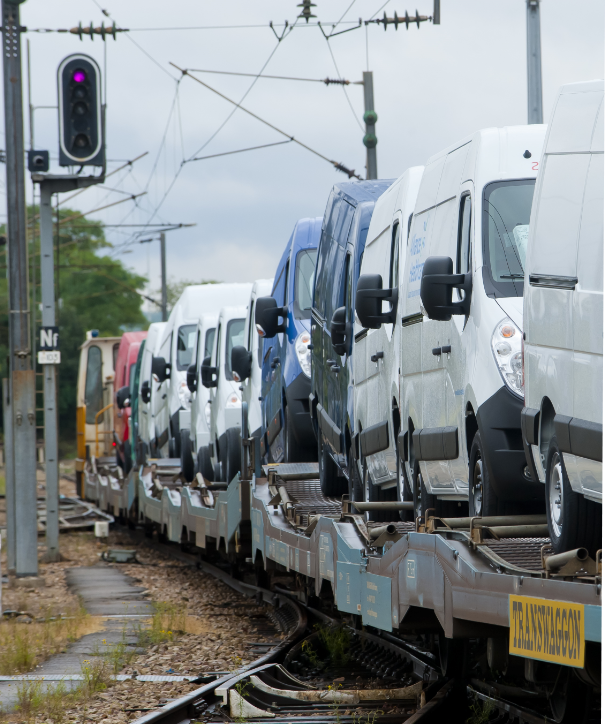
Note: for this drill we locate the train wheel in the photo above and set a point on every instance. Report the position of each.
(482, 497)
(573, 521)
(186, 456)
(570, 698)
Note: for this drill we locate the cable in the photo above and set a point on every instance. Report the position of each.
(134, 42)
(342, 16)
(338, 73)
(379, 9)
(340, 167)
(241, 150)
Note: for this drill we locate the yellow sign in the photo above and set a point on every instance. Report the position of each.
(547, 630)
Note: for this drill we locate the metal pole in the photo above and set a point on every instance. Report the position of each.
(370, 118)
(23, 396)
(47, 282)
(534, 63)
(9, 473)
(163, 262)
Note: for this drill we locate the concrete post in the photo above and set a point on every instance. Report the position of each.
(534, 63)
(370, 118)
(51, 448)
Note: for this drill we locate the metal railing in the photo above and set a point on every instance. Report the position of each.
(103, 432)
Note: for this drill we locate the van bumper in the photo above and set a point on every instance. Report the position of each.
(297, 399)
(499, 421)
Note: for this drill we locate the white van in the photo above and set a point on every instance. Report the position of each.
(198, 436)
(172, 404)
(146, 387)
(563, 321)
(220, 460)
(461, 382)
(247, 361)
(376, 348)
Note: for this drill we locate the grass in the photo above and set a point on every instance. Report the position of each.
(481, 711)
(168, 621)
(25, 645)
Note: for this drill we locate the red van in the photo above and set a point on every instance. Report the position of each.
(124, 368)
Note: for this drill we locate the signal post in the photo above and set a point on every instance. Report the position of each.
(81, 143)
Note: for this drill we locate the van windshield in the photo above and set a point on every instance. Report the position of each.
(185, 346)
(235, 338)
(506, 212)
(303, 284)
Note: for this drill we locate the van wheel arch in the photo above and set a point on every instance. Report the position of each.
(547, 427)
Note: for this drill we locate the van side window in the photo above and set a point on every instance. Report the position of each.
(320, 272)
(93, 390)
(463, 259)
(209, 342)
(394, 269)
(286, 284)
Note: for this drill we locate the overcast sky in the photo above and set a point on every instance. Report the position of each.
(433, 86)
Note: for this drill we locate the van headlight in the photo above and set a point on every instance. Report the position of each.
(184, 396)
(507, 342)
(303, 352)
(232, 402)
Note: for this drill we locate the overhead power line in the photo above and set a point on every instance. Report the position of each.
(326, 81)
(240, 150)
(101, 208)
(339, 166)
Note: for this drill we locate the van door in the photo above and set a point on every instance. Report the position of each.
(588, 319)
(459, 362)
(382, 466)
(333, 363)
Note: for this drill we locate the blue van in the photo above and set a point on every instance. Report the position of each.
(287, 434)
(343, 238)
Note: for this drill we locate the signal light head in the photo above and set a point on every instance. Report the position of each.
(79, 76)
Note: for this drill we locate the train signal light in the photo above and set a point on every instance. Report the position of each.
(81, 141)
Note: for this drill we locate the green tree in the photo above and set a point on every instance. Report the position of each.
(93, 291)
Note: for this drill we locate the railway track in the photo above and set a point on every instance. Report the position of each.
(387, 679)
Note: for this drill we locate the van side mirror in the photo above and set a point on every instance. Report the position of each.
(266, 315)
(160, 368)
(123, 397)
(146, 392)
(436, 287)
(241, 363)
(192, 378)
(339, 331)
(369, 298)
(208, 373)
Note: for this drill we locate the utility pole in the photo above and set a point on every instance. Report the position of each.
(370, 117)
(164, 290)
(51, 447)
(22, 388)
(534, 63)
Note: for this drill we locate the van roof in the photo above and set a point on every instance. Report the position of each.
(487, 134)
(200, 297)
(359, 191)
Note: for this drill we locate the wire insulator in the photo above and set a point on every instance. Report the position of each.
(336, 81)
(350, 173)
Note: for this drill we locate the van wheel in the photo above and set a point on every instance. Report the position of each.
(186, 456)
(482, 500)
(573, 521)
(332, 486)
(355, 484)
(204, 463)
(569, 698)
(423, 500)
(231, 457)
(172, 448)
(127, 457)
(404, 490)
(376, 494)
(291, 446)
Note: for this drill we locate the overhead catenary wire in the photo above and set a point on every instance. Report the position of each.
(325, 81)
(337, 165)
(240, 150)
